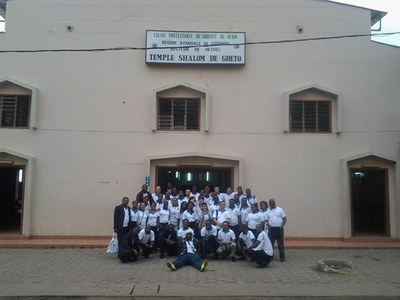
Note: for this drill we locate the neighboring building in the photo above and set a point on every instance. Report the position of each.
(313, 124)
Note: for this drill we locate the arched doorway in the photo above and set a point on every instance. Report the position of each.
(369, 201)
(370, 185)
(12, 192)
(183, 172)
(186, 177)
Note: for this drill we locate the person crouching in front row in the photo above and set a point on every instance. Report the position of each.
(189, 248)
(130, 248)
(168, 241)
(146, 240)
(261, 250)
(226, 242)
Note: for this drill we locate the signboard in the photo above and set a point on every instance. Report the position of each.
(147, 181)
(197, 48)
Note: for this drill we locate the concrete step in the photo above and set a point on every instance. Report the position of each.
(20, 241)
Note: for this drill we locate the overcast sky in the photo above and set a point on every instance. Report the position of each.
(390, 23)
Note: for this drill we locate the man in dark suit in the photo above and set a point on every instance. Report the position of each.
(122, 219)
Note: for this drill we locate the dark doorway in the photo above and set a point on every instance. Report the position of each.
(185, 178)
(11, 192)
(369, 197)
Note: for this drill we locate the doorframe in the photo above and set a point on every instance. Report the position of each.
(386, 203)
(195, 159)
(377, 160)
(26, 162)
(195, 168)
(9, 164)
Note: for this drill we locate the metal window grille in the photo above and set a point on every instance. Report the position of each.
(178, 114)
(14, 111)
(310, 116)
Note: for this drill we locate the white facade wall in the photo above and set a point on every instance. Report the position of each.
(94, 115)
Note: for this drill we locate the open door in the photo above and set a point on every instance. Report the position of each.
(11, 199)
(369, 202)
(185, 178)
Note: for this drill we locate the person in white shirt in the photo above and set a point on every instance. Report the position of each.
(156, 194)
(198, 207)
(221, 215)
(251, 199)
(184, 229)
(264, 211)
(226, 242)
(187, 196)
(146, 239)
(217, 193)
(207, 195)
(244, 210)
(134, 213)
(253, 218)
(174, 209)
(194, 192)
(262, 252)
(182, 209)
(240, 192)
(233, 217)
(141, 216)
(276, 222)
(228, 195)
(153, 219)
(205, 215)
(146, 202)
(160, 201)
(164, 214)
(208, 240)
(246, 240)
(191, 215)
(213, 205)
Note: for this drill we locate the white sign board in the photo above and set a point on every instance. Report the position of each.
(199, 48)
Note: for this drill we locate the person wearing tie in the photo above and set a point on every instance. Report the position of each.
(122, 219)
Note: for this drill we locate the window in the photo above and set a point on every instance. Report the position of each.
(178, 114)
(3, 6)
(14, 111)
(310, 116)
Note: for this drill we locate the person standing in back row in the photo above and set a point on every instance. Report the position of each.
(276, 219)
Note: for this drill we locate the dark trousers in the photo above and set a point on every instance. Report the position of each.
(260, 257)
(276, 234)
(254, 231)
(162, 227)
(146, 251)
(235, 230)
(155, 230)
(121, 233)
(126, 254)
(208, 245)
(188, 259)
(195, 228)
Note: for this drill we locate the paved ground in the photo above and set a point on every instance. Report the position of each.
(94, 273)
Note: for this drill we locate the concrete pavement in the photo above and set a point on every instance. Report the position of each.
(94, 273)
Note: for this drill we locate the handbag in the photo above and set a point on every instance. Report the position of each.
(113, 244)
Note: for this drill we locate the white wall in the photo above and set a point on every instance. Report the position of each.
(94, 114)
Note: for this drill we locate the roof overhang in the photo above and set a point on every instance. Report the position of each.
(376, 15)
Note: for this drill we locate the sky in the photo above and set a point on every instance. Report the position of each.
(390, 23)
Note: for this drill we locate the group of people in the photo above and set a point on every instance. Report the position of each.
(195, 225)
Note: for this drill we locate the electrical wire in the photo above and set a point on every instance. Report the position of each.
(202, 46)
